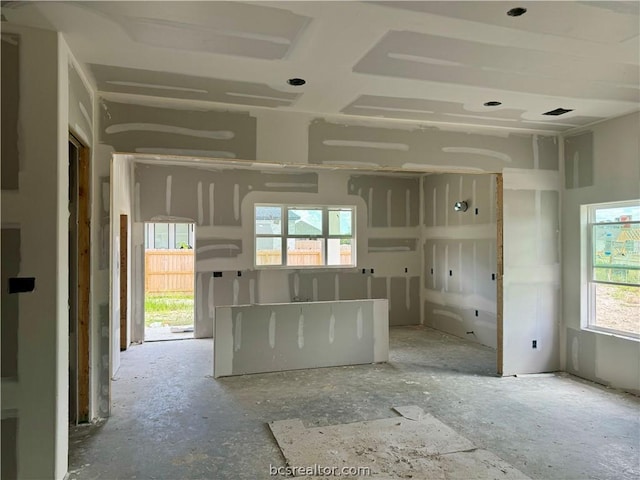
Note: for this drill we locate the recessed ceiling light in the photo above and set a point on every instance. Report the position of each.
(492, 103)
(516, 12)
(296, 82)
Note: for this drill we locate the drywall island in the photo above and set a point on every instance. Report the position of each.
(288, 336)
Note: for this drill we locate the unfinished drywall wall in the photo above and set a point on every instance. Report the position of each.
(402, 292)
(529, 160)
(225, 240)
(209, 196)
(10, 242)
(531, 282)
(459, 252)
(613, 149)
(388, 200)
(121, 204)
(9, 460)
(418, 147)
(37, 400)
(10, 100)
(528, 163)
(276, 337)
(222, 288)
(578, 160)
(80, 105)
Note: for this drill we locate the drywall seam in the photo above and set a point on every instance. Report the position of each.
(421, 222)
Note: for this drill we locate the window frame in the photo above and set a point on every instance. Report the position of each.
(325, 235)
(591, 268)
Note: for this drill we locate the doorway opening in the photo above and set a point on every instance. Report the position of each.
(79, 280)
(169, 278)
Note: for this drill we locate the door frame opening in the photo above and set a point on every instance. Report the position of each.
(175, 252)
(79, 279)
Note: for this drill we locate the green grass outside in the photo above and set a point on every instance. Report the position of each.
(168, 309)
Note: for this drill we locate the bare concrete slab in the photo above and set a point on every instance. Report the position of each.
(416, 445)
(158, 334)
(170, 420)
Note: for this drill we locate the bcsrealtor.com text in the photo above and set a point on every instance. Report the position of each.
(319, 470)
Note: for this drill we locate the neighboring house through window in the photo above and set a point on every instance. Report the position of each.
(304, 236)
(613, 302)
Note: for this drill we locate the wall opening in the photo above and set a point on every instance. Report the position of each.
(438, 266)
(462, 257)
(169, 279)
(79, 280)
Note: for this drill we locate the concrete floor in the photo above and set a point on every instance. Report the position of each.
(172, 420)
(157, 334)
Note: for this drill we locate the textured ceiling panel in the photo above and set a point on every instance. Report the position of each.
(423, 61)
(453, 112)
(175, 85)
(228, 28)
(602, 22)
(451, 60)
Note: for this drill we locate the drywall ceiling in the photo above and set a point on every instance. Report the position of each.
(427, 61)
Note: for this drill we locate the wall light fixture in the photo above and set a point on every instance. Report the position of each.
(460, 206)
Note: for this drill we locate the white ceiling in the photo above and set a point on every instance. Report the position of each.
(428, 61)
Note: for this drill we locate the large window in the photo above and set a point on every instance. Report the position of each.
(614, 267)
(304, 236)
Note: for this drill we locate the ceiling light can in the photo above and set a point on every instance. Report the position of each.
(517, 11)
(296, 82)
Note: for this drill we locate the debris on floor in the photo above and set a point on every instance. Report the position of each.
(414, 445)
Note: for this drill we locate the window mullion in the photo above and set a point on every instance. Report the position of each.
(325, 235)
(284, 214)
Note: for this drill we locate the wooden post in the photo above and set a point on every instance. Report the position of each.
(84, 279)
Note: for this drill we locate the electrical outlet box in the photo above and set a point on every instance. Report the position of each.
(534, 344)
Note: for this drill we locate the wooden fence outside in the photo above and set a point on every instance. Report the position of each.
(173, 270)
(169, 271)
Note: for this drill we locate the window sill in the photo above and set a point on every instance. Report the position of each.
(304, 267)
(613, 333)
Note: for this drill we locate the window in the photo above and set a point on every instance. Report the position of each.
(169, 235)
(183, 237)
(161, 235)
(614, 267)
(304, 236)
